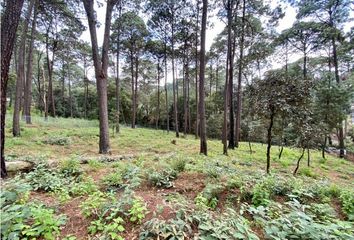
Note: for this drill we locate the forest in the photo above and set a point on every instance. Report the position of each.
(174, 119)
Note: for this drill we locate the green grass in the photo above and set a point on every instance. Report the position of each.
(150, 143)
(237, 181)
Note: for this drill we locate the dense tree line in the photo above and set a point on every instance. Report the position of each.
(255, 83)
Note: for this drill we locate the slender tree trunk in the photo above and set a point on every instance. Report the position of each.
(308, 157)
(239, 86)
(45, 99)
(136, 89)
(70, 93)
(298, 162)
(9, 22)
(166, 96)
(175, 106)
(133, 89)
(203, 140)
(336, 72)
(324, 147)
(86, 87)
(269, 138)
(101, 67)
(185, 96)
(50, 64)
(196, 75)
(226, 101)
(158, 94)
(28, 85)
(117, 77)
(16, 131)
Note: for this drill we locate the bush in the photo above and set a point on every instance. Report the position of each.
(137, 211)
(262, 191)
(113, 180)
(162, 179)
(347, 199)
(57, 140)
(70, 167)
(178, 164)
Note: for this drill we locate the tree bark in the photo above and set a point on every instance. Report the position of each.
(9, 22)
(298, 162)
(166, 96)
(158, 94)
(117, 76)
(28, 85)
(203, 140)
(101, 67)
(239, 86)
(269, 138)
(175, 110)
(196, 75)
(226, 101)
(185, 86)
(16, 131)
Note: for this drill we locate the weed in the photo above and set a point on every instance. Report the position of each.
(137, 211)
(57, 140)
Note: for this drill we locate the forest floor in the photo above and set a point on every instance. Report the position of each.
(156, 186)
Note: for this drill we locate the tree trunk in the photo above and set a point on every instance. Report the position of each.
(239, 86)
(136, 89)
(16, 131)
(336, 72)
(9, 22)
(226, 101)
(175, 110)
(158, 94)
(133, 88)
(196, 76)
(324, 147)
(308, 157)
(50, 64)
(203, 140)
(298, 162)
(70, 93)
(28, 85)
(101, 67)
(269, 138)
(117, 77)
(166, 96)
(185, 80)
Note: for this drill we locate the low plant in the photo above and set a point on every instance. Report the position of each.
(162, 179)
(57, 140)
(262, 191)
(113, 180)
(347, 200)
(110, 227)
(94, 204)
(95, 164)
(178, 164)
(84, 187)
(137, 211)
(43, 223)
(70, 167)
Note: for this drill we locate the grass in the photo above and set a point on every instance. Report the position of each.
(240, 177)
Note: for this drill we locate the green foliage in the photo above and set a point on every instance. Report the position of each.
(308, 172)
(297, 224)
(163, 178)
(57, 140)
(263, 191)
(95, 164)
(173, 229)
(70, 167)
(45, 224)
(347, 199)
(209, 197)
(111, 229)
(137, 211)
(93, 205)
(234, 182)
(87, 186)
(113, 180)
(228, 225)
(44, 178)
(178, 164)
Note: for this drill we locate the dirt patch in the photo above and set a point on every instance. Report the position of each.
(43, 197)
(338, 208)
(189, 184)
(76, 223)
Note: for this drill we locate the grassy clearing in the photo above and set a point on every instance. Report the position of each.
(169, 190)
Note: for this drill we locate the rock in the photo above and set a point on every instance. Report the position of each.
(19, 166)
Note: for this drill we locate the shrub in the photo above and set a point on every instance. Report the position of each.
(262, 191)
(308, 172)
(347, 199)
(178, 164)
(113, 180)
(70, 167)
(162, 179)
(137, 211)
(94, 204)
(57, 140)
